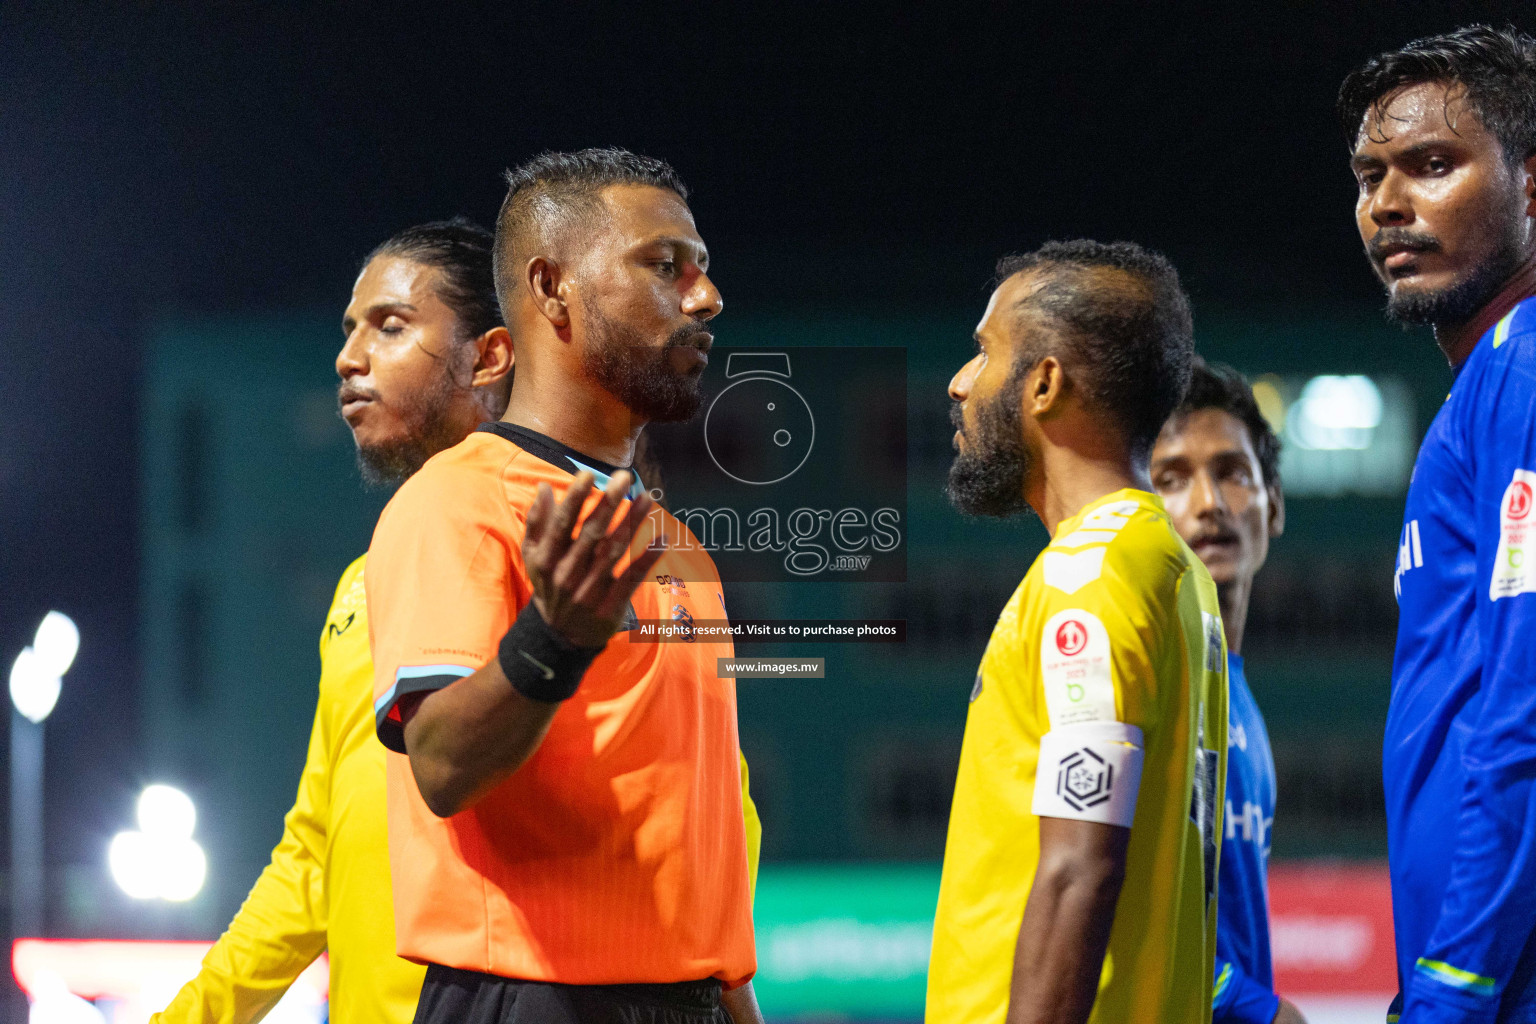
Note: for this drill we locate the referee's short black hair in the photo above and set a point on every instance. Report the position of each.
(552, 191)
(1497, 67)
(1218, 386)
(1132, 339)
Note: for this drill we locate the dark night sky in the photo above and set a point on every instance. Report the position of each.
(159, 161)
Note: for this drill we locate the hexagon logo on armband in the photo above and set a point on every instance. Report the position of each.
(1084, 780)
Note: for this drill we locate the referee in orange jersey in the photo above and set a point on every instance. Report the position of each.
(566, 836)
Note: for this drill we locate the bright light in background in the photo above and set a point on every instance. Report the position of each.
(1335, 413)
(34, 690)
(56, 643)
(166, 811)
(37, 673)
(1344, 434)
(160, 860)
(131, 981)
(1271, 402)
(54, 1003)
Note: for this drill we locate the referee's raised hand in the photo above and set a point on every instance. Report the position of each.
(571, 560)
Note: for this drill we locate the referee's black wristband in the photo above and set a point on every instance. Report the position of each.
(541, 664)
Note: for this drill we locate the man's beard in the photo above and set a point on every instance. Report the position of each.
(1459, 302)
(620, 361)
(987, 477)
(428, 430)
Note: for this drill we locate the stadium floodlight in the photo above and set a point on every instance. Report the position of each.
(34, 687)
(160, 859)
(166, 811)
(37, 673)
(37, 677)
(1336, 413)
(132, 860)
(57, 642)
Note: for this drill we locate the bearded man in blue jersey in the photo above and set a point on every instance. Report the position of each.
(1443, 138)
(1216, 466)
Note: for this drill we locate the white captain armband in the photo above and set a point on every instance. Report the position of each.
(1090, 771)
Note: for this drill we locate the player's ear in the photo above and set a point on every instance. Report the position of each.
(1276, 509)
(496, 357)
(1045, 387)
(1530, 185)
(547, 287)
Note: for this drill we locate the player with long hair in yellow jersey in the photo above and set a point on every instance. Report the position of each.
(425, 361)
(1080, 866)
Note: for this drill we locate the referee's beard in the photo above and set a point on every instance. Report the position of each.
(621, 361)
(987, 477)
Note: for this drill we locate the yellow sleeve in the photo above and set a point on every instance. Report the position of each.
(754, 829)
(281, 927)
(1100, 644)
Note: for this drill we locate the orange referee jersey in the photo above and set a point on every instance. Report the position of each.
(617, 852)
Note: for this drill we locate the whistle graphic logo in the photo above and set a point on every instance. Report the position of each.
(759, 430)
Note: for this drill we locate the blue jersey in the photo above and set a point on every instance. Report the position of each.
(1459, 758)
(1244, 992)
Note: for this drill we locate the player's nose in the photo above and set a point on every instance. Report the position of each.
(1205, 496)
(960, 383)
(703, 301)
(1391, 202)
(353, 357)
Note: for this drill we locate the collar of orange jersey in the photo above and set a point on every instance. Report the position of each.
(562, 456)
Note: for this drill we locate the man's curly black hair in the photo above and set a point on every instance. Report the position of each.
(1496, 67)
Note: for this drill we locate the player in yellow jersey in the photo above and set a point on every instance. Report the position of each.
(1080, 866)
(426, 360)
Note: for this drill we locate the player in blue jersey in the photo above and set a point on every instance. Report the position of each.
(1443, 137)
(1217, 468)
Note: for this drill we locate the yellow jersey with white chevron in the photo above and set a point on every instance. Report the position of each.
(1110, 656)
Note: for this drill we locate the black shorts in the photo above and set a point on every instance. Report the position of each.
(453, 996)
